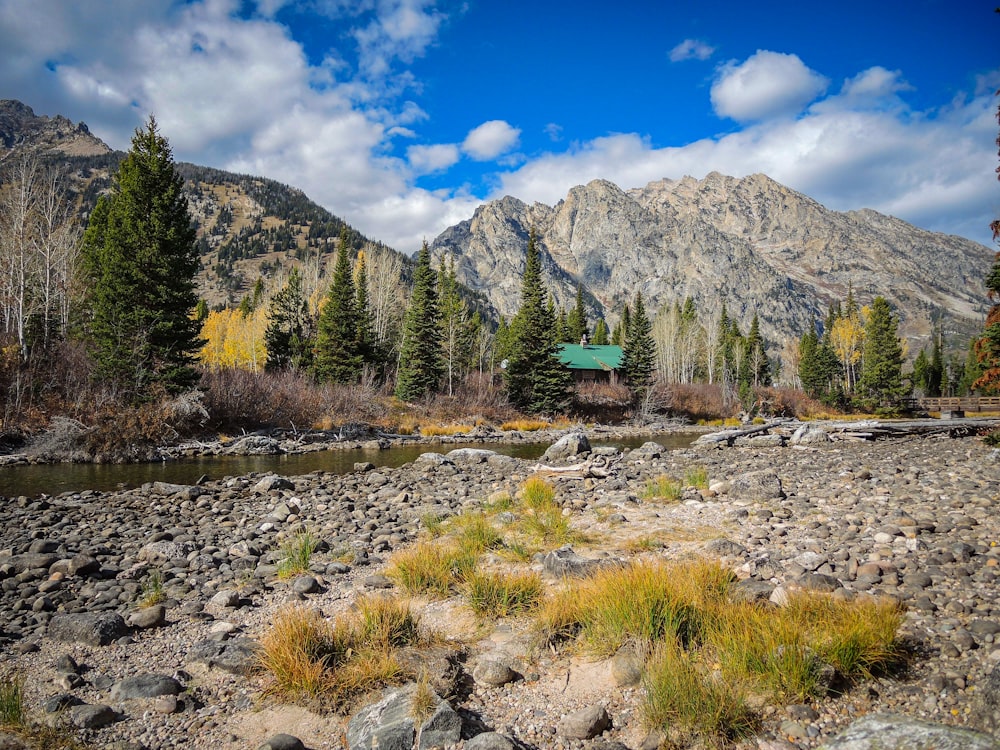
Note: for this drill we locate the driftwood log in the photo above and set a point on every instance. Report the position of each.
(596, 467)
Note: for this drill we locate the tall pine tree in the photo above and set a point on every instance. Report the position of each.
(881, 381)
(638, 348)
(139, 262)
(338, 356)
(288, 336)
(537, 382)
(576, 320)
(420, 362)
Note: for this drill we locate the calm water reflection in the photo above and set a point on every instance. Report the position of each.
(51, 479)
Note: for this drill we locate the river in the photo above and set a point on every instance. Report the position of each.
(52, 479)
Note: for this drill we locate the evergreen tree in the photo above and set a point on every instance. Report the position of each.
(921, 364)
(288, 337)
(937, 377)
(338, 356)
(638, 349)
(139, 261)
(456, 325)
(819, 368)
(537, 382)
(755, 370)
(576, 321)
(367, 346)
(881, 380)
(600, 333)
(420, 365)
(618, 334)
(561, 329)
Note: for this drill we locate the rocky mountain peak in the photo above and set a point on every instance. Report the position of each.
(21, 128)
(750, 242)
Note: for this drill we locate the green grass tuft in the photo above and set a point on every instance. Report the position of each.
(296, 553)
(499, 595)
(663, 488)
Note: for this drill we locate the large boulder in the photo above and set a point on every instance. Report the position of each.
(390, 723)
(567, 447)
(756, 485)
(93, 629)
(893, 732)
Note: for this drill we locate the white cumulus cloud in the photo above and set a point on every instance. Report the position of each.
(490, 140)
(433, 158)
(691, 49)
(767, 84)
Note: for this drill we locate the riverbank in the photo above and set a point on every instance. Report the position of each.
(913, 518)
(361, 437)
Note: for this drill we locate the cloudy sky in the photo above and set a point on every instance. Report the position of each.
(401, 116)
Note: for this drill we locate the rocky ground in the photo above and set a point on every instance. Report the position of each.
(911, 518)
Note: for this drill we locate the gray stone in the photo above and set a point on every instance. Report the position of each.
(809, 435)
(584, 724)
(91, 716)
(751, 590)
(626, 667)
(390, 725)
(893, 732)
(273, 482)
(225, 599)
(13, 742)
(236, 656)
(986, 706)
(646, 452)
(489, 741)
(567, 447)
(725, 548)
(470, 455)
(493, 671)
(565, 563)
(148, 617)
(283, 742)
(756, 485)
(97, 629)
(305, 585)
(158, 553)
(145, 686)
(254, 445)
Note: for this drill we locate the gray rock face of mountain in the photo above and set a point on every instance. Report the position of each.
(20, 125)
(750, 242)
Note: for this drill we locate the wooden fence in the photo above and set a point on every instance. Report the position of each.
(955, 403)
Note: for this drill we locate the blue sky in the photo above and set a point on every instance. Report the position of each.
(401, 116)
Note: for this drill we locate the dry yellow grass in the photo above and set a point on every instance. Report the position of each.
(525, 425)
(445, 430)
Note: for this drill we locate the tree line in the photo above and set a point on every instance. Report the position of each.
(124, 290)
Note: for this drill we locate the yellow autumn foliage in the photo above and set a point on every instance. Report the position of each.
(234, 340)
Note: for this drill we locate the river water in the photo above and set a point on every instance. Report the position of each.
(52, 479)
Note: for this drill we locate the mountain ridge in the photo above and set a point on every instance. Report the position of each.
(751, 242)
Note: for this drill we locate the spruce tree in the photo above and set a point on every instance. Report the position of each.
(420, 361)
(638, 348)
(338, 357)
(756, 369)
(139, 261)
(367, 346)
(576, 320)
(288, 336)
(618, 334)
(881, 381)
(537, 382)
(600, 333)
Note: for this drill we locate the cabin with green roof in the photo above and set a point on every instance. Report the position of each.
(590, 362)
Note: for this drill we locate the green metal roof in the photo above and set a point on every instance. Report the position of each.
(590, 357)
